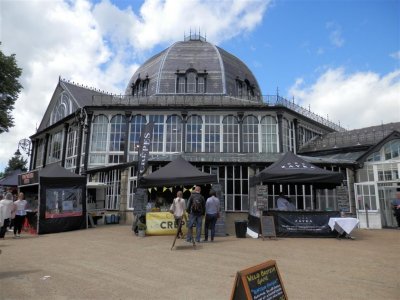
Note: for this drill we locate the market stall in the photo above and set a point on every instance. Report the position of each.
(178, 172)
(60, 196)
(292, 169)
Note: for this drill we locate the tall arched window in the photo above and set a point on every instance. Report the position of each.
(268, 135)
(212, 138)
(287, 135)
(99, 134)
(193, 134)
(231, 134)
(158, 132)
(250, 134)
(191, 82)
(173, 133)
(136, 127)
(72, 148)
(117, 133)
(61, 109)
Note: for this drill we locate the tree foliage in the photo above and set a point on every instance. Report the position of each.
(16, 163)
(10, 87)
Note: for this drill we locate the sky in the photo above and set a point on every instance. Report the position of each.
(340, 59)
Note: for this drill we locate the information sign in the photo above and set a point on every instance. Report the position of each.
(268, 226)
(261, 282)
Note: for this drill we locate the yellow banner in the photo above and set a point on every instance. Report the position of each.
(162, 223)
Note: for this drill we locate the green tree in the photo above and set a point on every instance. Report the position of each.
(9, 89)
(15, 163)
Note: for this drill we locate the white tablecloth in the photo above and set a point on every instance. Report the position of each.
(342, 225)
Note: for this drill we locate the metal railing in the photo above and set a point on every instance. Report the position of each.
(201, 100)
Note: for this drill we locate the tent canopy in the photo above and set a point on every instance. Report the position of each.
(55, 174)
(293, 169)
(177, 172)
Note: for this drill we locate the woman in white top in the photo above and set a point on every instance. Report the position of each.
(20, 213)
(6, 210)
(178, 208)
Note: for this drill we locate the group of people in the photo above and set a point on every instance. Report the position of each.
(196, 207)
(12, 213)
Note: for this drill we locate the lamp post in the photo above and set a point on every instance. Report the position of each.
(25, 145)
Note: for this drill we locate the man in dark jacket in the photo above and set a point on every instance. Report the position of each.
(195, 209)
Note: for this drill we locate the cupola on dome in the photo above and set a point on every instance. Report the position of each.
(194, 66)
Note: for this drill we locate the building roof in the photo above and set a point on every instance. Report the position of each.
(222, 69)
(366, 137)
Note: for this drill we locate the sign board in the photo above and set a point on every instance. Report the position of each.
(342, 199)
(268, 226)
(28, 178)
(262, 196)
(261, 282)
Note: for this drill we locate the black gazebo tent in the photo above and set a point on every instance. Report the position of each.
(177, 172)
(293, 169)
(62, 198)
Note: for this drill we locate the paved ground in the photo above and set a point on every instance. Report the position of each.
(108, 262)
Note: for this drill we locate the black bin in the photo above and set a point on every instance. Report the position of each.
(240, 228)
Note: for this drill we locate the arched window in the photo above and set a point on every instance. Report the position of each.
(136, 127)
(72, 147)
(268, 135)
(250, 134)
(173, 133)
(181, 84)
(231, 134)
(158, 132)
(193, 134)
(117, 133)
(201, 84)
(61, 109)
(287, 135)
(99, 134)
(191, 82)
(212, 125)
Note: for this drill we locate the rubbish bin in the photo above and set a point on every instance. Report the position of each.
(240, 228)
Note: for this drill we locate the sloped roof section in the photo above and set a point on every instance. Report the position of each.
(358, 137)
(79, 96)
(11, 179)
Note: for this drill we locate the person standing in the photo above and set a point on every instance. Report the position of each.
(195, 208)
(20, 214)
(178, 208)
(212, 212)
(282, 202)
(6, 210)
(396, 208)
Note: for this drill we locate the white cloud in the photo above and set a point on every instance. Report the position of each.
(356, 100)
(335, 35)
(99, 44)
(395, 55)
(165, 21)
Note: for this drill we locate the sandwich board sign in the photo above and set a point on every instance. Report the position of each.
(268, 227)
(260, 282)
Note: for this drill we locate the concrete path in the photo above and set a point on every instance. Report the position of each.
(109, 262)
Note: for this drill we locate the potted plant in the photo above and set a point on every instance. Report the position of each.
(142, 229)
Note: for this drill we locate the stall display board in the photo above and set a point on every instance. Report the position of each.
(268, 227)
(262, 196)
(261, 282)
